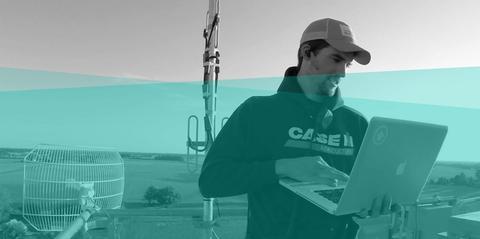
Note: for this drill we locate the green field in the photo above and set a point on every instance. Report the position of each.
(141, 173)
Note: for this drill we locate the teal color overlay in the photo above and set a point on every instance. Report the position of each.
(139, 115)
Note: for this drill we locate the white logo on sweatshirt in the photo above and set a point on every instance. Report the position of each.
(336, 140)
(336, 144)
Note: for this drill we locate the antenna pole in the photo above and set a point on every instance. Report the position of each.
(211, 65)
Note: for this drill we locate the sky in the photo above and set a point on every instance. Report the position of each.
(162, 40)
(127, 74)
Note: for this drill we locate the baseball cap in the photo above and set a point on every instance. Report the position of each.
(338, 34)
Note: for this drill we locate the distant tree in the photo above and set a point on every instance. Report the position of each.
(460, 179)
(470, 181)
(163, 196)
(5, 205)
(167, 196)
(443, 181)
(150, 194)
(169, 157)
(14, 229)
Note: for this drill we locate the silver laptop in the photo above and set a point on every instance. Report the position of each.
(395, 158)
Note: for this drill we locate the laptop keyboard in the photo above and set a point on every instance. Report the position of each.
(331, 194)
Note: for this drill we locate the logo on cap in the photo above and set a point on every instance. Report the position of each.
(346, 31)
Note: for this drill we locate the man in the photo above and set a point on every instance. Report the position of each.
(303, 132)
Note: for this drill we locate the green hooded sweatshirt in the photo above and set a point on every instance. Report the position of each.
(264, 129)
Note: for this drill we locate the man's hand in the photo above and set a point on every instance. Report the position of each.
(381, 205)
(377, 216)
(310, 169)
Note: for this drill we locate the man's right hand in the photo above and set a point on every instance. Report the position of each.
(310, 169)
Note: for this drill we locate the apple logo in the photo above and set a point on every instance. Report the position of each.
(380, 135)
(401, 168)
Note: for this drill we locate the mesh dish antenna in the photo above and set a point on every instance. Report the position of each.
(56, 176)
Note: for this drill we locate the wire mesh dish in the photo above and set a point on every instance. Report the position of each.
(55, 175)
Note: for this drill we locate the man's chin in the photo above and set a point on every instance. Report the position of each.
(329, 93)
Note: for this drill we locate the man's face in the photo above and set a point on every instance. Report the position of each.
(321, 72)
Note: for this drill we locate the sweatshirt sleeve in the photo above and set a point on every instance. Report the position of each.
(228, 169)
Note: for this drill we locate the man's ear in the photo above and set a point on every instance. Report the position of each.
(306, 51)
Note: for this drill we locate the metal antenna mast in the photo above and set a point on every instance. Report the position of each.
(211, 66)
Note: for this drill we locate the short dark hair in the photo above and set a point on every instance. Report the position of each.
(315, 47)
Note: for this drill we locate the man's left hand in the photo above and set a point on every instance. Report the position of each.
(381, 205)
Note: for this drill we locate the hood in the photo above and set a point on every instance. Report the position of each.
(291, 88)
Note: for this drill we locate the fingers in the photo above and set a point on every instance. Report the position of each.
(334, 173)
(334, 183)
(375, 208)
(337, 174)
(342, 177)
(381, 206)
(316, 172)
(396, 208)
(339, 177)
(320, 160)
(363, 213)
(326, 181)
(386, 204)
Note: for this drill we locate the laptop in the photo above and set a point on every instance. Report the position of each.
(395, 158)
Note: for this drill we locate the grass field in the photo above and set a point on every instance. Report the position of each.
(140, 174)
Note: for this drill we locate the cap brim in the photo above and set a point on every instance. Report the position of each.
(362, 56)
